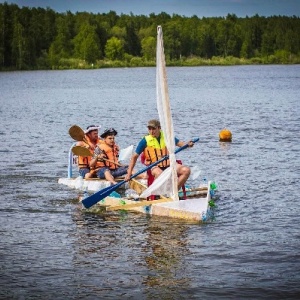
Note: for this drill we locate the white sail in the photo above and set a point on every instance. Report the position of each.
(167, 182)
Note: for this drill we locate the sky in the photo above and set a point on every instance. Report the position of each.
(187, 8)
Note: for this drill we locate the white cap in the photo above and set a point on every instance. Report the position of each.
(91, 128)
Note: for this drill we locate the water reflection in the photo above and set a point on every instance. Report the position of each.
(225, 146)
(165, 250)
(116, 244)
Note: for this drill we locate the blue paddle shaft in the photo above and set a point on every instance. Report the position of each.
(98, 196)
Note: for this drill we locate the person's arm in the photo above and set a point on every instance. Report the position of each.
(181, 143)
(93, 161)
(98, 155)
(132, 163)
(139, 149)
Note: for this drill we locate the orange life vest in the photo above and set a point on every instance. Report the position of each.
(83, 161)
(110, 153)
(156, 150)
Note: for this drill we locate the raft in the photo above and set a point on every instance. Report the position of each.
(196, 208)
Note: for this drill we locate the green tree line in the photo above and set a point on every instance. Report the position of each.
(38, 38)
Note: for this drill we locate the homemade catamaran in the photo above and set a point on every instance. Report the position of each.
(193, 209)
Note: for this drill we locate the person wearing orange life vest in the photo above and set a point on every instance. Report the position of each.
(105, 160)
(153, 147)
(91, 142)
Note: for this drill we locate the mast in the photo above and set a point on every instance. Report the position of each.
(164, 110)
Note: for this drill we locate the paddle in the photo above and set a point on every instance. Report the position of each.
(76, 133)
(98, 196)
(81, 151)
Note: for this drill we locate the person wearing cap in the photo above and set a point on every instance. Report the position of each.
(91, 141)
(153, 147)
(105, 160)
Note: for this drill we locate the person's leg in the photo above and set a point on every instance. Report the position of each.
(91, 174)
(119, 172)
(140, 176)
(104, 173)
(84, 172)
(156, 171)
(109, 177)
(183, 173)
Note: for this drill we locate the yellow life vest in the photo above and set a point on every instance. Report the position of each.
(156, 150)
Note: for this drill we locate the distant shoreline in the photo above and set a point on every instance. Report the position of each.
(77, 64)
(42, 39)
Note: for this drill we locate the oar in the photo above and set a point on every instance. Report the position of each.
(98, 196)
(81, 151)
(76, 133)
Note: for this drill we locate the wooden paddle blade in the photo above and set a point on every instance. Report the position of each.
(76, 133)
(81, 151)
(98, 196)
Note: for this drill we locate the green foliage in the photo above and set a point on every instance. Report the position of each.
(283, 56)
(37, 38)
(132, 43)
(127, 57)
(87, 44)
(62, 46)
(114, 49)
(42, 61)
(118, 32)
(136, 62)
(149, 47)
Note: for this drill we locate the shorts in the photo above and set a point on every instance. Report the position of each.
(83, 171)
(115, 173)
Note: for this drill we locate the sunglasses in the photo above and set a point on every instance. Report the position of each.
(151, 128)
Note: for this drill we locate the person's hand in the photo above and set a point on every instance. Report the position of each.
(127, 177)
(97, 151)
(98, 154)
(100, 157)
(191, 143)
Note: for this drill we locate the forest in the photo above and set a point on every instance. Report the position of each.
(40, 39)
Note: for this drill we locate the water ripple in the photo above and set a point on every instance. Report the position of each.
(50, 248)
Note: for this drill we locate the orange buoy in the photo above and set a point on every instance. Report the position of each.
(225, 135)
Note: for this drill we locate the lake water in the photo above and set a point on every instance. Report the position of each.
(51, 249)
